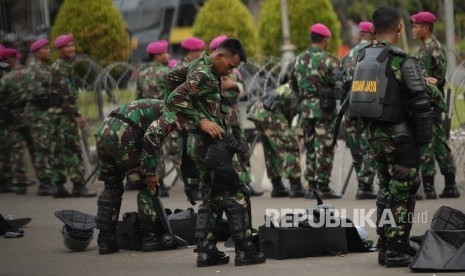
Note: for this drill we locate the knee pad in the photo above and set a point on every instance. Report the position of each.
(406, 153)
(203, 218)
(107, 212)
(236, 215)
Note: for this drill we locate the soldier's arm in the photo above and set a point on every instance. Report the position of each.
(439, 66)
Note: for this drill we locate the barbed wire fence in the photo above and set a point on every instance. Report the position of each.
(104, 89)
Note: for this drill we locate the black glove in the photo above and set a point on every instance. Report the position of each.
(188, 191)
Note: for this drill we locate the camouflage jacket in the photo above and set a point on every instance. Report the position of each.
(433, 61)
(63, 85)
(151, 83)
(177, 75)
(348, 63)
(231, 96)
(199, 97)
(313, 70)
(141, 112)
(38, 88)
(285, 108)
(14, 96)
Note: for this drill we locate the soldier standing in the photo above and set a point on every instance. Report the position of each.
(66, 122)
(314, 78)
(231, 88)
(432, 57)
(362, 155)
(197, 104)
(192, 49)
(38, 91)
(152, 85)
(13, 103)
(390, 95)
(120, 140)
(272, 117)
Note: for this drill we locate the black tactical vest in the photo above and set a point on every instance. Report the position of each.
(375, 93)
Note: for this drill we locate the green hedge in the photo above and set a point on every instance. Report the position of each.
(98, 29)
(229, 17)
(302, 14)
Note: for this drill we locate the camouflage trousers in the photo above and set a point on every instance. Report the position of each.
(19, 139)
(397, 167)
(67, 150)
(233, 126)
(197, 146)
(362, 155)
(5, 148)
(40, 130)
(172, 149)
(318, 137)
(217, 204)
(438, 150)
(282, 157)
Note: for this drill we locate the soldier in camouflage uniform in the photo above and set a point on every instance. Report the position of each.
(14, 126)
(272, 117)
(432, 57)
(151, 84)
(362, 155)
(390, 95)
(314, 78)
(197, 104)
(120, 143)
(231, 88)
(38, 92)
(66, 121)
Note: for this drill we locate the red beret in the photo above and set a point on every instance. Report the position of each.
(62, 40)
(365, 26)
(157, 47)
(193, 44)
(217, 41)
(320, 29)
(39, 43)
(6, 53)
(423, 18)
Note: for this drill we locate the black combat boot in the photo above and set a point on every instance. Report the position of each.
(296, 188)
(381, 246)
(21, 188)
(328, 193)
(278, 188)
(450, 188)
(45, 188)
(151, 236)
(60, 191)
(5, 188)
(365, 191)
(311, 187)
(79, 190)
(208, 254)
(428, 187)
(163, 189)
(107, 243)
(247, 254)
(399, 253)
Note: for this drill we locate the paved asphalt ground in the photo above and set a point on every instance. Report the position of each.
(41, 250)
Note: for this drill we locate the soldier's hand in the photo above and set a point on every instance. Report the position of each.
(211, 128)
(431, 80)
(152, 182)
(81, 121)
(228, 84)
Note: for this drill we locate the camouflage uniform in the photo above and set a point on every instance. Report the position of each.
(315, 70)
(15, 100)
(362, 155)
(433, 61)
(5, 147)
(40, 121)
(282, 158)
(67, 148)
(121, 152)
(198, 98)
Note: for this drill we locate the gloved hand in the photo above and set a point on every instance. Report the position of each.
(188, 190)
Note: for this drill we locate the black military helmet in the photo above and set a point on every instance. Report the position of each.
(78, 230)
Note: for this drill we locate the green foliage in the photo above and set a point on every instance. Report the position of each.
(98, 29)
(229, 17)
(302, 14)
